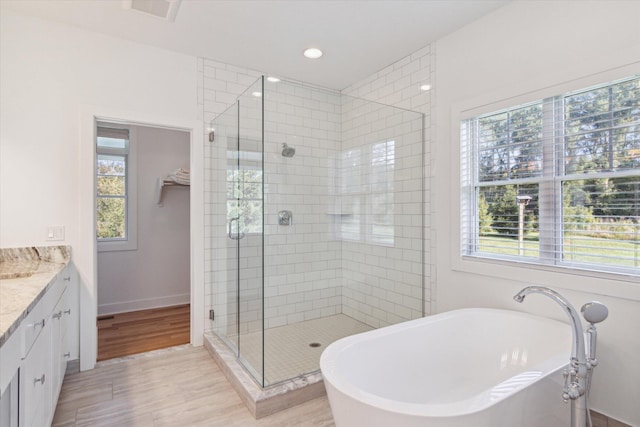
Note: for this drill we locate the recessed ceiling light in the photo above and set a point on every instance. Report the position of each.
(425, 87)
(313, 53)
(257, 94)
(273, 79)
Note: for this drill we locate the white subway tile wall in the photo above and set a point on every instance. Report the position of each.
(399, 85)
(302, 267)
(381, 197)
(349, 249)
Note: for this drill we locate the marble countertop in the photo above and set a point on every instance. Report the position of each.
(25, 276)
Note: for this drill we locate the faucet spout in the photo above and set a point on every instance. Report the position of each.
(578, 356)
(575, 378)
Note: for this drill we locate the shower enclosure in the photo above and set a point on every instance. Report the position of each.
(315, 218)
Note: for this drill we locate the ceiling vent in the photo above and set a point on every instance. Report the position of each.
(163, 9)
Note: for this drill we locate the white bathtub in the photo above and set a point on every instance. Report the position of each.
(463, 368)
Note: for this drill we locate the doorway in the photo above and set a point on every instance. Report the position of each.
(142, 207)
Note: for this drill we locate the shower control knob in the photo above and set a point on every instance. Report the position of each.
(285, 217)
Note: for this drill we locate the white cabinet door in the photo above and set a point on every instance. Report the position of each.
(58, 361)
(35, 382)
(9, 403)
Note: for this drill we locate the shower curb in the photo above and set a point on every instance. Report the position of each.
(263, 401)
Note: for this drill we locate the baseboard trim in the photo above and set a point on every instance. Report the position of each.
(143, 304)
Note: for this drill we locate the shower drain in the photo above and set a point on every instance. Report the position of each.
(315, 344)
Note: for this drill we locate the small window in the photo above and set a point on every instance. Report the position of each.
(244, 201)
(244, 191)
(556, 182)
(115, 189)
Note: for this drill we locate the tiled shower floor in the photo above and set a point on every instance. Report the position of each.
(288, 352)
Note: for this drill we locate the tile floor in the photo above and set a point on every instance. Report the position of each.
(288, 353)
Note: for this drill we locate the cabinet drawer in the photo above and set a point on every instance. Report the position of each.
(32, 325)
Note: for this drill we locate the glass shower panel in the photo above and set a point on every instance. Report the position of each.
(224, 169)
(320, 231)
(350, 174)
(381, 183)
(248, 210)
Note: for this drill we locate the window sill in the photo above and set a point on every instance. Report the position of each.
(115, 246)
(596, 282)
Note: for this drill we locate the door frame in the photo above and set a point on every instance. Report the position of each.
(85, 256)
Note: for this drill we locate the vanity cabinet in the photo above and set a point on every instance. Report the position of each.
(46, 346)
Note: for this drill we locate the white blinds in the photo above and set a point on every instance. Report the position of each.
(556, 181)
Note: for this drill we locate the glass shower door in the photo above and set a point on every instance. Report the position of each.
(238, 295)
(248, 209)
(224, 293)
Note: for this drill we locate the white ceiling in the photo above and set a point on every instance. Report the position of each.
(358, 37)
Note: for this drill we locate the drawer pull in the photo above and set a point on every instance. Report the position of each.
(39, 380)
(67, 354)
(67, 311)
(67, 279)
(57, 315)
(39, 324)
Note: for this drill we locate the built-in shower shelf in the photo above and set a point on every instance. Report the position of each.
(161, 183)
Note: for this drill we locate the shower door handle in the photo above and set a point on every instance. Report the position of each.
(232, 235)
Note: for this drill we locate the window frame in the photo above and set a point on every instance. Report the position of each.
(618, 284)
(131, 197)
(550, 181)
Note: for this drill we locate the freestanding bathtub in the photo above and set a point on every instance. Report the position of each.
(463, 368)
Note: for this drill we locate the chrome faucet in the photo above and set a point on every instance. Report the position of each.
(575, 386)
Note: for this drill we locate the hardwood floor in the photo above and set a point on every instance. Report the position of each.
(180, 386)
(124, 334)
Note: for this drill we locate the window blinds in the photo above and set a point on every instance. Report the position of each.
(556, 181)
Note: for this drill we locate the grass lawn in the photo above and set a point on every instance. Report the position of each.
(624, 253)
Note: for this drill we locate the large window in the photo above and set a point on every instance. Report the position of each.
(115, 204)
(557, 181)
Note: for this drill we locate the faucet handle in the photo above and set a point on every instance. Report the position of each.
(572, 388)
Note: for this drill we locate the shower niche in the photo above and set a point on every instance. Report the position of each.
(352, 172)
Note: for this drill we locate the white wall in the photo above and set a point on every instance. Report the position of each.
(47, 71)
(156, 274)
(51, 76)
(522, 48)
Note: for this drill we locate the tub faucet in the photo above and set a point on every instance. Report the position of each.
(575, 378)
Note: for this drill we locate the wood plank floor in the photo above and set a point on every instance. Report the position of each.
(124, 334)
(180, 386)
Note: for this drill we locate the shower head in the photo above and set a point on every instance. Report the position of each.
(287, 151)
(594, 312)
